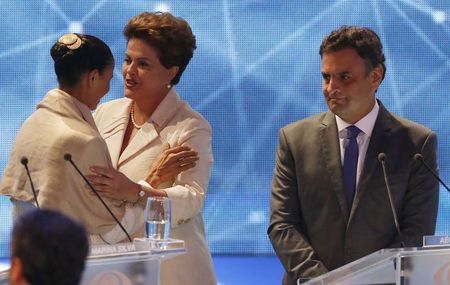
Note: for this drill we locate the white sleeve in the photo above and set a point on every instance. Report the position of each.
(189, 189)
(132, 221)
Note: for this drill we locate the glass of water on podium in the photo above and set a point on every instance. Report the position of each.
(157, 218)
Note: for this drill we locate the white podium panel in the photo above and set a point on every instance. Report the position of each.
(4, 277)
(129, 263)
(135, 263)
(411, 266)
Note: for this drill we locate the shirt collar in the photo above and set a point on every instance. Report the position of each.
(366, 124)
(166, 108)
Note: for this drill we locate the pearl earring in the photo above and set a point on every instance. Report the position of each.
(168, 85)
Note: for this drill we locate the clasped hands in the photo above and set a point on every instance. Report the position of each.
(113, 184)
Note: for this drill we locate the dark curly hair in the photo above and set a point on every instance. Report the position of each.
(170, 36)
(363, 40)
(51, 247)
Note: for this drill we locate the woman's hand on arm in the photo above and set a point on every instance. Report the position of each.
(113, 184)
(170, 163)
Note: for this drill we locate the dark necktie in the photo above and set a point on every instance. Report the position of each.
(350, 164)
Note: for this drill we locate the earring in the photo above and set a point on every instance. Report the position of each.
(168, 86)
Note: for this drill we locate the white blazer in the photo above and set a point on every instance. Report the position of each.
(176, 123)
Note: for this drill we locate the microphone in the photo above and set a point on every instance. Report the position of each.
(24, 162)
(68, 157)
(382, 160)
(419, 157)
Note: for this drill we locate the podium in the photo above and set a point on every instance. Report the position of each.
(404, 266)
(133, 263)
(4, 277)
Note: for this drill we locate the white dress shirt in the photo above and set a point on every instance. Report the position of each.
(366, 125)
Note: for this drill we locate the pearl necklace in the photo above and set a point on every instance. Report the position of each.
(132, 118)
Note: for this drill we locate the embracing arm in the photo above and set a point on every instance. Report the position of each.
(285, 229)
(180, 172)
(188, 190)
(113, 184)
(171, 162)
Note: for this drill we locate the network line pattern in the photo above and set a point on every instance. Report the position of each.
(256, 68)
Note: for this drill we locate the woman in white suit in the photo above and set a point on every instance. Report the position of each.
(153, 131)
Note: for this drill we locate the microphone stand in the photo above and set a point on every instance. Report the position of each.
(24, 162)
(68, 157)
(382, 160)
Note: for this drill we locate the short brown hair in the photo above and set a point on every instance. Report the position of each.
(363, 40)
(170, 36)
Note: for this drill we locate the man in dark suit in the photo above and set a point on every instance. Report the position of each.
(329, 203)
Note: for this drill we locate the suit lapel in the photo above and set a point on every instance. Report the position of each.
(114, 132)
(113, 135)
(332, 156)
(378, 143)
(148, 133)
(145, 136)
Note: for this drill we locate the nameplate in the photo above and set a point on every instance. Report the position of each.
(432, 241)
(105, 249)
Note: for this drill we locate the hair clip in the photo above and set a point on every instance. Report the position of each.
(71, 41)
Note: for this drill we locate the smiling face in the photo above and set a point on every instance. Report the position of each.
(145, 78)
(348, 87)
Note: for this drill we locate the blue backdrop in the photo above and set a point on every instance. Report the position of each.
(256, 69)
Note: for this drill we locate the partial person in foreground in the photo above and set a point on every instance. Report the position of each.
(47, 247)
(153, 134)
(62, 123)
(329, 204)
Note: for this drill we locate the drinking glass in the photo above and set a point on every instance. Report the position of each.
(157, 217)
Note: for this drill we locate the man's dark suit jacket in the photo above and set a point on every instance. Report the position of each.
(311, 228)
